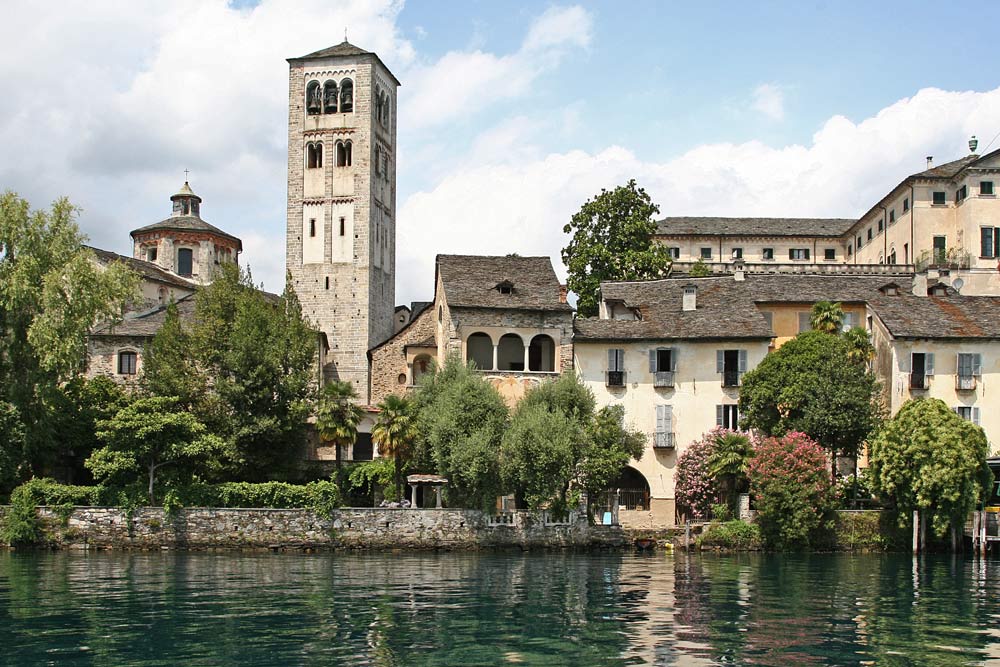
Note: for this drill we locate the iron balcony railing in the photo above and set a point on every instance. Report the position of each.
(663, 441)
(730, 378)
(614, 378)
(663, 379)
(965, 382)
(918, 381)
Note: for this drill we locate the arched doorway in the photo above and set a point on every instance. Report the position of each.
(542, 354)
(632, 489)
(510, 353)
(421, 367)
(479, 350)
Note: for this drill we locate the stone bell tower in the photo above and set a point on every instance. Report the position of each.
(341, 236)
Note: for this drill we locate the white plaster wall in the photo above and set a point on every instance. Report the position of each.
(312, 247)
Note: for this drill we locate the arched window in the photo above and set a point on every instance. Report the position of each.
(510, 353)
(542, 354)
(346, 96)
(185, 261)
(378, 161)
(385, 111)
(330, 97)
(314, 98)
(479, 350)
(127, 362)
(421, 367)
(314, 156)
(343, 153)
(378, 104)
(892, 257)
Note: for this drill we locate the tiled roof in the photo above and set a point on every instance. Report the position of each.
(793, 288)
(345, 48)
(953, 316)
(716, 226)
(724, 311)
(187, 223)
(147, 270)
(471, 281)
(948, 169)
(145, 323)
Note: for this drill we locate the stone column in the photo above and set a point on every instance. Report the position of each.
(413, 495)
(437, 495)
(526, 366)
(496, 354)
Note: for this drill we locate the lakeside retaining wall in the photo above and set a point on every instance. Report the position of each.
(357, 528)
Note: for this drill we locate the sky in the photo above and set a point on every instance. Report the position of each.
(511, 114)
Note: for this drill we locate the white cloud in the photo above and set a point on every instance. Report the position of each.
(769, 99)
(501, 206)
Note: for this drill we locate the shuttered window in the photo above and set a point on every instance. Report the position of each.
(616, 359)
(970, 365)
(727, 416)
(662, 359)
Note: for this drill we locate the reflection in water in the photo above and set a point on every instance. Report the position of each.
(491, 609)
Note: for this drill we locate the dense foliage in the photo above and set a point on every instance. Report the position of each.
(394, 433)
(728, 463)
(609, 447)
(338, 416)
(806, 386)
(612, 240)
(927, 458)
(792, 491)
(700, 479)
(537, 456)
(51, 293)
(736, 535)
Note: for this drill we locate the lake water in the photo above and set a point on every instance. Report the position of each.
(495, 608)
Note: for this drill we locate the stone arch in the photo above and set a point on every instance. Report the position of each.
(632, 489)
(542, 354)
(344, 153)
(510, 353)
(330, 96)
(314, 98)
(422, 366)
(479, 350)
(314, 155)
(346, 96)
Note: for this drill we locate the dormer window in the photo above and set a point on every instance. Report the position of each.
(505, 287)
(890, 289)
(939, 290)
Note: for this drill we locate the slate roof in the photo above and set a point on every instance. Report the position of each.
(717, 226)
(345, 49)
(794, 288)
(145, 323)
(724, 311)
(470, 281)
(147, 270)
(941, 317)
(187, 223)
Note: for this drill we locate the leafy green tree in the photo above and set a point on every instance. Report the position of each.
(460, 420)
(728, 463)
(612, 240)
(52, 292)
(806, 386)
(826, 317)
(537, 453)
(74, 413)
(700, 269)
(927, 458)
(338, 416)
(147, 435)
(609, 447)
(793, 495)
(394, 432)
(859, 346)
(11, 444)
(170, 365)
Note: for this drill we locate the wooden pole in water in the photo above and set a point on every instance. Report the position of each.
(982, 533)
(975, 532)
(923, 532)
(916, 533)
(687, 535)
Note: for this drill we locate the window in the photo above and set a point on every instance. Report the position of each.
(970, 366)
(737, 253)
(798, 254)
(940, 199)
(616, 368)
(664, 426)
(769, 318)
(850, 250)
(968, 413)
(185, 261)
(314, 98)
(314, 156)
(986, 189)
(151, 255)
(940, 249)
(858, 244)
(674, 252)
(830, 254)
(961, 194)
(768, 253)
(805, 321)
(731, 364)
(312, 227)
(505, 287)
(127, 363)
(989, 242)
(869, 233)
(727, 416)
(344, 153)
(706, 253)
(906, 253)
(346, 96)
(328, 282)
(906, 204)
(892, 258)
(849, 322)
(921, 368)
(663, 365)
(341, 226)
(892, 217)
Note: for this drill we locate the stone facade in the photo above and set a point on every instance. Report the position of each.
(341, 233)
(358, 528)
(397, 364)
(102, 357)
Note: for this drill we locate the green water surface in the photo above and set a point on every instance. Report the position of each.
(496, 608)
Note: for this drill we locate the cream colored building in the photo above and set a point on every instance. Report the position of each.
(673, 353)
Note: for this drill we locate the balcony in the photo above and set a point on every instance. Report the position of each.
(614, 378)
(663, 379)
(663, 441)
(965, 382)
(919, 381)
(730, 378)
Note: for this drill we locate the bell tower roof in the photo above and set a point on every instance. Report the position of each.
(186, 217)
(185, 193)
(343, 50)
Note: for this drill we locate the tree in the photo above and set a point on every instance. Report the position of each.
(806, 386)
(728, 463)
(147, 435)
(793, 495)
(74, 412)
(394, 433)
(52, 292)
(859, 346)
(826, 317)
(927, 458)
(609, 446)
(11, 443)
(699, 269)
(612, 240)
(170, 366)
(338, 416)
(537, 456)
(460, 419)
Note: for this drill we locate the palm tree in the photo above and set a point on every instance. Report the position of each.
(861, 350)
(827, 317)
(394, 433)
(337, 416)
(728, 463)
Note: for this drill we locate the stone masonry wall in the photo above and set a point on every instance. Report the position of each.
(364, 528)
(389, 361)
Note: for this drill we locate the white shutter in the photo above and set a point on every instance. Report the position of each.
(977, 365)
(720, 361)
(718, 415)
(804, 323)
(673, 359)
(743, 361)
(652, 360)
(975, 416)
(929, 363)
(612, 359)
(664, 419)
(905, 362)
(621, 360)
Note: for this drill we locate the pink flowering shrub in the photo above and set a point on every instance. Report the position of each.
(695, 490)
(790, 481)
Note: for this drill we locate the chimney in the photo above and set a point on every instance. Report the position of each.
(930, 161)
(690, 297)
(739, 270)
(563, 292)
